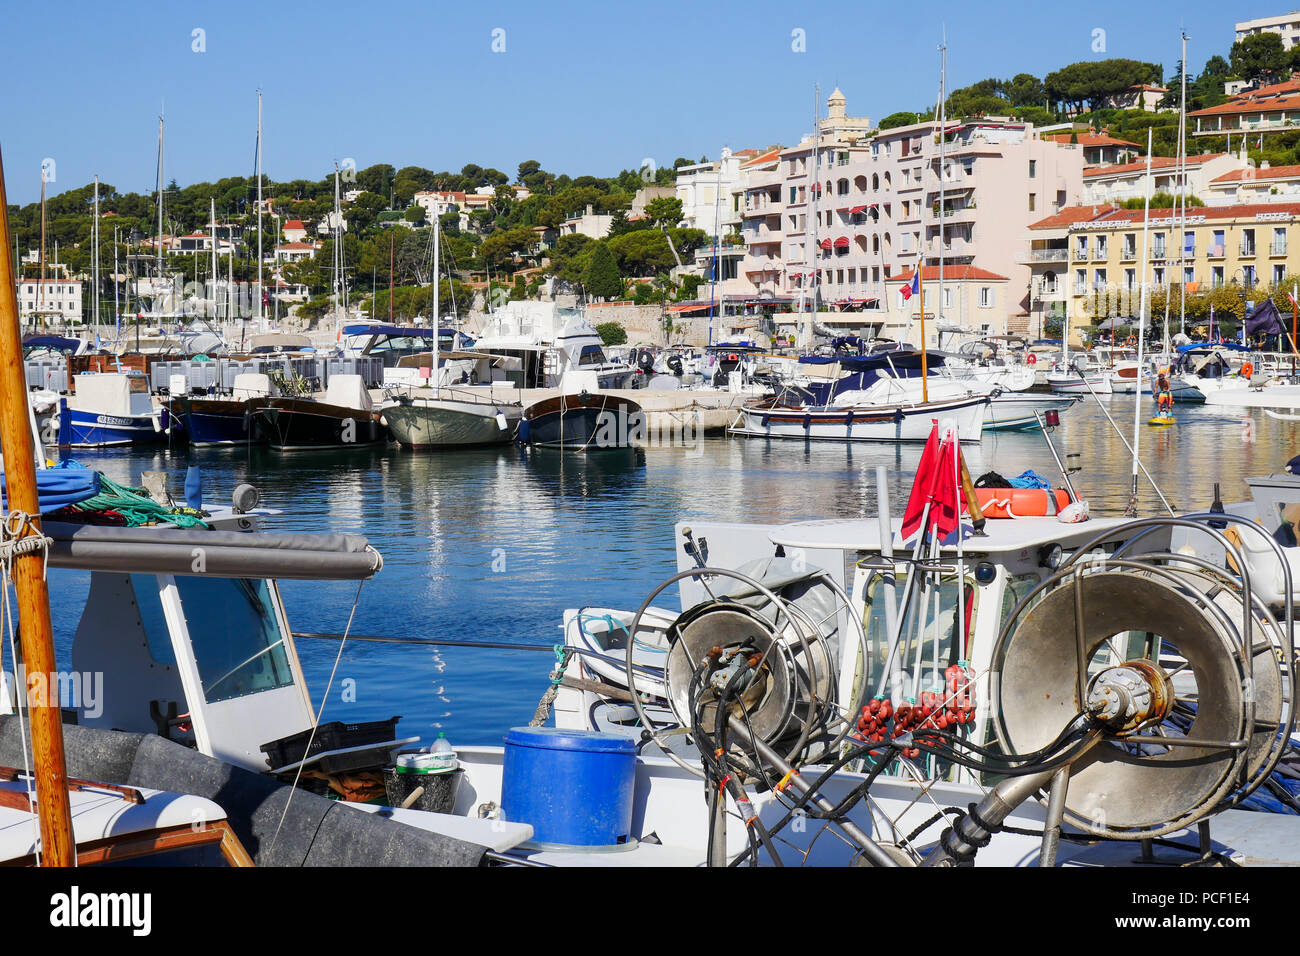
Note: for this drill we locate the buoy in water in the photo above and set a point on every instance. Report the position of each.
(1160, 421)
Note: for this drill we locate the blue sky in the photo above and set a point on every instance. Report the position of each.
(582, 87)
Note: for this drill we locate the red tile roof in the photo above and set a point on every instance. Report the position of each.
(1267, 99)
(1072, 214)
(1157, 162)
(1092, 139)
(931, 274)
(294, 224)
(1194, 213)
(1245, 175)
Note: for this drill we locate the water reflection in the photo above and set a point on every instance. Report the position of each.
(494, 544)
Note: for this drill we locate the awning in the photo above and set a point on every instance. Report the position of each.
(857, 209)
(796, 275)
(842, 242)
(825, 243)
(228, 554)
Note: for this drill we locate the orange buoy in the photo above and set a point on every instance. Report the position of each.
(1020, 502)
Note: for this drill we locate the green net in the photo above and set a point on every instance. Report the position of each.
(135, 505)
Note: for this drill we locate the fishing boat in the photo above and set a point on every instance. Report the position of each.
(891, 410)
(110, 409)
(583, 422)
(345, 418)
(209, 422)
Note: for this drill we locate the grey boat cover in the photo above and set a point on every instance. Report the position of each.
(196, 551)
(315, 831)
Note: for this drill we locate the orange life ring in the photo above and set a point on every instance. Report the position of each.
(1020, 502)
(1031, 359)
(1247, 370)
(1132, 340)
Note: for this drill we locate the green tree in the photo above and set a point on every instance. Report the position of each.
(602, 277)
(894, 120)
(611, 333)
(1260, 55)
(1092, 81)
(664, 211)
(416, 214)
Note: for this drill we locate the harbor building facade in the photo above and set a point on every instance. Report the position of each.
(1087, 261)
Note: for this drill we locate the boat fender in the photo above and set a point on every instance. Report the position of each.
(1247, 370)
(1031, 359)
(807, 421)
(848, 419)
(525, 428)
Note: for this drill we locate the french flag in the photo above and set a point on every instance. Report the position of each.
(913, 287)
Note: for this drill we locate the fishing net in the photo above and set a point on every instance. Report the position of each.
(126, 507)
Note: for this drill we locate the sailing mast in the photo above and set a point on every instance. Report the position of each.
(28, 569)
(94, 282)
(40, 289)
(159, 249)
(336, 261)
(1142, 315)
(437, 312)
(815, 177)
(1182, 187)
(258, 314)
(943, 129)
(212, 227)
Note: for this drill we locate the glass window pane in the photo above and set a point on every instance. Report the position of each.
(235, 636)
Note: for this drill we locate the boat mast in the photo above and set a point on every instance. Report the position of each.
(437, 325)
(1142, 311)
(94, 241)
(159, 250)
(40, 288)
(943, 128)
(28, 569)
(805, 337)
(212, 226)
(258, 313)
(1182, 187)
(117, 307)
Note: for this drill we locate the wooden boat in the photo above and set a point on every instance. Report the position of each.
(588, 420)
(345, 419)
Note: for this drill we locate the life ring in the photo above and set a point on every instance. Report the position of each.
(1031, 359)
(1247, 370)
(1132, 340)
(1020, 502)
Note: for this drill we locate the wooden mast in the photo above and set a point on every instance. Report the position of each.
(57, 847)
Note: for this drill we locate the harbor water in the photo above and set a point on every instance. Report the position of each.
(493, 545)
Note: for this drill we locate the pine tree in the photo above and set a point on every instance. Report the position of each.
(601, 278)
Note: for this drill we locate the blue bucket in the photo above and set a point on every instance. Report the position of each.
(574, 786)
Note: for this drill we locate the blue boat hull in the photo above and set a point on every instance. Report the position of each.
(215, 422)
(81, 429)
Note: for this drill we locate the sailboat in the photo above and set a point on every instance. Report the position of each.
(440, 417)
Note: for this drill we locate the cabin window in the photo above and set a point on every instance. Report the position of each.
(591, 355)
(235, 635)
(149, 604)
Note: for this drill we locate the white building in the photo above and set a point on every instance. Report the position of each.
(590, 223)
(50, 301)
(1285, 25)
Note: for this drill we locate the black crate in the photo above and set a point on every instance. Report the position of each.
(335, 735)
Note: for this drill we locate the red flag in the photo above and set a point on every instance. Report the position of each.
(935, 483)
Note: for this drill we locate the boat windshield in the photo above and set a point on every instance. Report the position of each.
(591, 355)
(235, 636)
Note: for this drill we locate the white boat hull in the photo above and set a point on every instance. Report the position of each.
(880, 423)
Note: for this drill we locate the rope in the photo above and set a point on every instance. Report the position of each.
(14, 542)
(316, 723)
(132, 505)
(562, 657)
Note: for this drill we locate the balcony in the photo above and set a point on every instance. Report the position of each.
(1050, 292)
(1099, 254)
(1082, 288)
(1248, 250)
(1048, 255)
(1128, 253)
(1277, 249)
(1215, 252)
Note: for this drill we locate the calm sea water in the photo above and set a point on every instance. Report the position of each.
(494, 545)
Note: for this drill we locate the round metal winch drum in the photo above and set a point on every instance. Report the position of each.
(1220, 658)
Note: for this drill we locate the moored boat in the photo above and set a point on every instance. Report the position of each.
(346, 418)
(586, 421)
(109, 409)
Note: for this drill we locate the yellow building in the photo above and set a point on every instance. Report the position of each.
(1088, 259)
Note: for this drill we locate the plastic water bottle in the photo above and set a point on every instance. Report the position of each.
(444, 758)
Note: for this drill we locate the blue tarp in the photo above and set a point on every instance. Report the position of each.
(1211, 346)
(66, 484)
(411, 332)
